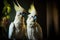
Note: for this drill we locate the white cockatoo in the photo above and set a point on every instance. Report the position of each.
(32, 25)
(17, 21)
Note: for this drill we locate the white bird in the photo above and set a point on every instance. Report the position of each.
(18, 21)
(32, 26)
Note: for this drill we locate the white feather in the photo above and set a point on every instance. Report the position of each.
(10, 30)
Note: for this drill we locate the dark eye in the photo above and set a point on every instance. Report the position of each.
(31, 16)
(20, 13)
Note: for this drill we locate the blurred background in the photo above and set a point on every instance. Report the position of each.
(47, 16)
(52, 20)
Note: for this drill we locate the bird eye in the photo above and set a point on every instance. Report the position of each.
(20, 13)
(31, 16)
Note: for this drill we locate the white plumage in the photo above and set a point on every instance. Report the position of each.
(10, 30)
(17, 21)
(32, 26)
